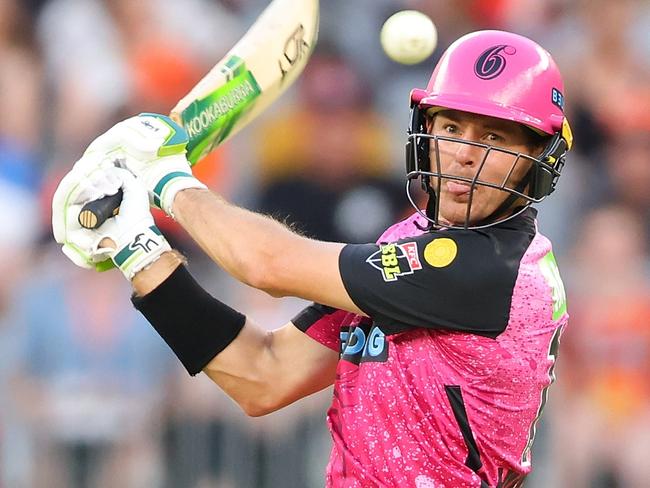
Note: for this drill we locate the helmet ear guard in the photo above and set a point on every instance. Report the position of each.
(417, 155)
(544, 176)
(417, 148)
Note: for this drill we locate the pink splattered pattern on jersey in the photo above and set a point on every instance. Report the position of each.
(327, 331)
(392, 423)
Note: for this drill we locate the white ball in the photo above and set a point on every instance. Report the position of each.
(408, 37)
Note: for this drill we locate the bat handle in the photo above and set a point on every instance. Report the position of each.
(93, 214)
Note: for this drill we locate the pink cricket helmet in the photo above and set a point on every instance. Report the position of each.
(498, 74)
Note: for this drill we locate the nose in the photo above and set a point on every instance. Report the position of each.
(468, 154)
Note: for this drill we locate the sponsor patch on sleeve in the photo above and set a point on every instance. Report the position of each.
(440, 252)
(394, 260)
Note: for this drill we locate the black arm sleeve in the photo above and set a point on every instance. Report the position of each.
(457, 279)
(195, 325)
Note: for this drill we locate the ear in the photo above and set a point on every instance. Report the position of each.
(428, 122)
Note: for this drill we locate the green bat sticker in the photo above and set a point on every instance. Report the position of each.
(209, 120)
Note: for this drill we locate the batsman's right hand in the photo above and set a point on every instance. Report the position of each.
(130, 239)
(152, 147)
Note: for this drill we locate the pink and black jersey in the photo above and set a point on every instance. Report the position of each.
(442, 384)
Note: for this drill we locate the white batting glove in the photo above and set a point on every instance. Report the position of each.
(138, 242)
(152, 147)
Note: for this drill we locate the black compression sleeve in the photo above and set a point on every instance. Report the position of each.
(195, 325)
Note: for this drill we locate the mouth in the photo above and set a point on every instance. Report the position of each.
(458, 188)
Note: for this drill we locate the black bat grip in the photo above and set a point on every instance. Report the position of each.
(93, 214)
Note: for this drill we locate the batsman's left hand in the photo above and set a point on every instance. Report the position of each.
(152, 147)
(130, 240)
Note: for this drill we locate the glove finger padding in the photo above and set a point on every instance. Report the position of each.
(72, 192)
(97, 184)
(152, 147)
(138, 241)
(145, 137)
(99, 262)
(82, 184)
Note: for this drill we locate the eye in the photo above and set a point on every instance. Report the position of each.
(450, 128)
(494, 137)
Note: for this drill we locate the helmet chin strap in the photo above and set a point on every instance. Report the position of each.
(430, 211)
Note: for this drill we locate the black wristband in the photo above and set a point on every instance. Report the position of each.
(195, 325)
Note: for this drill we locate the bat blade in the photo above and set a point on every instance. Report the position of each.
(253, 74)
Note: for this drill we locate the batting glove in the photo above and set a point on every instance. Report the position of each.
(153, 148)
(137, 241)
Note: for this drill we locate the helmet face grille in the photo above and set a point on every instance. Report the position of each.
(539, 178)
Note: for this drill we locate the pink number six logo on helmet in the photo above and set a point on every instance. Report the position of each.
(491, 62)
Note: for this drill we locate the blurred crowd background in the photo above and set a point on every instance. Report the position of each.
(91, 397)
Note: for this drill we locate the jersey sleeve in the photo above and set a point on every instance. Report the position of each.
(461, 280)
(321, 323)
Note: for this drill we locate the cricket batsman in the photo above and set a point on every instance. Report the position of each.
(440, 338)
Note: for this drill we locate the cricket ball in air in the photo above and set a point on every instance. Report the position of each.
(409, 37)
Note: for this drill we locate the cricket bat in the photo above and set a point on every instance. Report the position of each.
(255, 72)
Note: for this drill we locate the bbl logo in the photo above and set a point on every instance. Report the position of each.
(395, 260)
(557, 98)
(491, 62)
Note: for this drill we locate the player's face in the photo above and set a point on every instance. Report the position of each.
(464, 160)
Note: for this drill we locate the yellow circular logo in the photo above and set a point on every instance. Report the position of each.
(440, 252)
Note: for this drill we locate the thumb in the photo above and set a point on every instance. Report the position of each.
(77, 256)
(134, 195)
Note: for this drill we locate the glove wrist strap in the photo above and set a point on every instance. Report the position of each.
(141, 250)
(168, 186)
